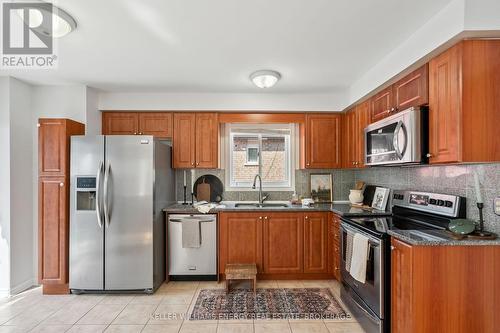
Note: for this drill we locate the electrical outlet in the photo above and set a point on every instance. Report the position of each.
(497, 205)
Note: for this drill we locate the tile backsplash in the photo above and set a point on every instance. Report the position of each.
(449, 179)
(343, 180)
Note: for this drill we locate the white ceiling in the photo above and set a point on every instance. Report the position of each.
(213, 46)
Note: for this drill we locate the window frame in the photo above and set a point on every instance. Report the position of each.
(248, 162)
(290, 159)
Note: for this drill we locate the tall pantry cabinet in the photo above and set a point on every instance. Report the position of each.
(53, 202)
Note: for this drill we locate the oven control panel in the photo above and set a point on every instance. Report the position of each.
(443, 204)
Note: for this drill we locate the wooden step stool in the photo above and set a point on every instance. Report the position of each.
(241, 272)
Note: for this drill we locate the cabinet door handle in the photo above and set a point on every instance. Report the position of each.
(265, 217)
(260, 217)
(198, 163)
(393, 247)
(429, 155)
(61, 184)
(192, 163)
(307, 217)
(140, 133)
(135, 133)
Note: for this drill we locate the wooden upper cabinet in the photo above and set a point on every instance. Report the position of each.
(158, 124)
(382, 104)
(120, 123)
(464, 103)
(322, 141)
(196, 140)
(54, 143)
(412, 90)
(401, 287)
(355, 122)
(184, 145)
(445, 108)
(283, 243)
(207, 140)
(316, 242)
(240, 239)
(350, 139)
(363, 120)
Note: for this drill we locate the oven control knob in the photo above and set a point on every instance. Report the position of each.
(440, 203)
(448, 203)
(432, 201)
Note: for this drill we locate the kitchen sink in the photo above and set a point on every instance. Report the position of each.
(262, 205)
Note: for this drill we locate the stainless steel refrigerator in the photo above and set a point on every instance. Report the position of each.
(119, 187)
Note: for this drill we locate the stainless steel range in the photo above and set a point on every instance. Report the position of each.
(420, 212)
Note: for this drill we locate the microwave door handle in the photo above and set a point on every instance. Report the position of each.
(399, 152)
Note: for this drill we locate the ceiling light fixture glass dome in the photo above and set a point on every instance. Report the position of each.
(265, 78)
(62, 22)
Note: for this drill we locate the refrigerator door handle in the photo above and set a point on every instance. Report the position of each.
(98, 195)
(106, 208)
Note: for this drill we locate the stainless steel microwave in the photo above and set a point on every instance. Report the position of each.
(398, 139)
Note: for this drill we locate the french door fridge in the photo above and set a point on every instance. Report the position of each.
(119, 186)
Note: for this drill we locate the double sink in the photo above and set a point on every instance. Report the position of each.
(261, 205)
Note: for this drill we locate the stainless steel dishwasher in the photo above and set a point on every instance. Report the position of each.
(192, 263)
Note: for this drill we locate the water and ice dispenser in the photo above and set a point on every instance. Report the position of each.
(85, 193)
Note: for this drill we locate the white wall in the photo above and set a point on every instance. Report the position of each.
(221, 101)
(5, 183)
(482, 15)
(439, 30)
(21, 198)
(92, 113)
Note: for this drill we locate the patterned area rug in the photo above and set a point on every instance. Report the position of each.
(272, 303)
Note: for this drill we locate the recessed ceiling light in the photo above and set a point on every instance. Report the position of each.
(62, 22)
(265, 78)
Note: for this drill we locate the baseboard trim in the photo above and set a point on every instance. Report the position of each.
(18, 289)
(23, 286)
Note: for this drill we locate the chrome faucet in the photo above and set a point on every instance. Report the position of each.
(261, 198)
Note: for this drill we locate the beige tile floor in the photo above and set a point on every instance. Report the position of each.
(162, 312)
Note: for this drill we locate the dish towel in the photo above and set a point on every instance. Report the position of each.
(348, 251)
(191, 233)
(359, 257)
(205, 208)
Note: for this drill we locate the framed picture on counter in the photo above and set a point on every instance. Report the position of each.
(380, 198)
(321, 187)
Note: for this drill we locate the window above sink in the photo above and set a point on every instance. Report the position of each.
(264, 149)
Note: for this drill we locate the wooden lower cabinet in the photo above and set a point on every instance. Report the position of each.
(444, 288)
(240, 239)
(53, 234)
(315, 243)
(336, 246)
(283, 245)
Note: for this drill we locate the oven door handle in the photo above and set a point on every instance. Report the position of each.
(395, 141)
(371, 240)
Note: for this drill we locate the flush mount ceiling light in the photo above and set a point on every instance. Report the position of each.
(265, 78)
(40, 19)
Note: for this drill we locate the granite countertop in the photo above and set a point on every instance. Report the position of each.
(340, 208)
(436, 238)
